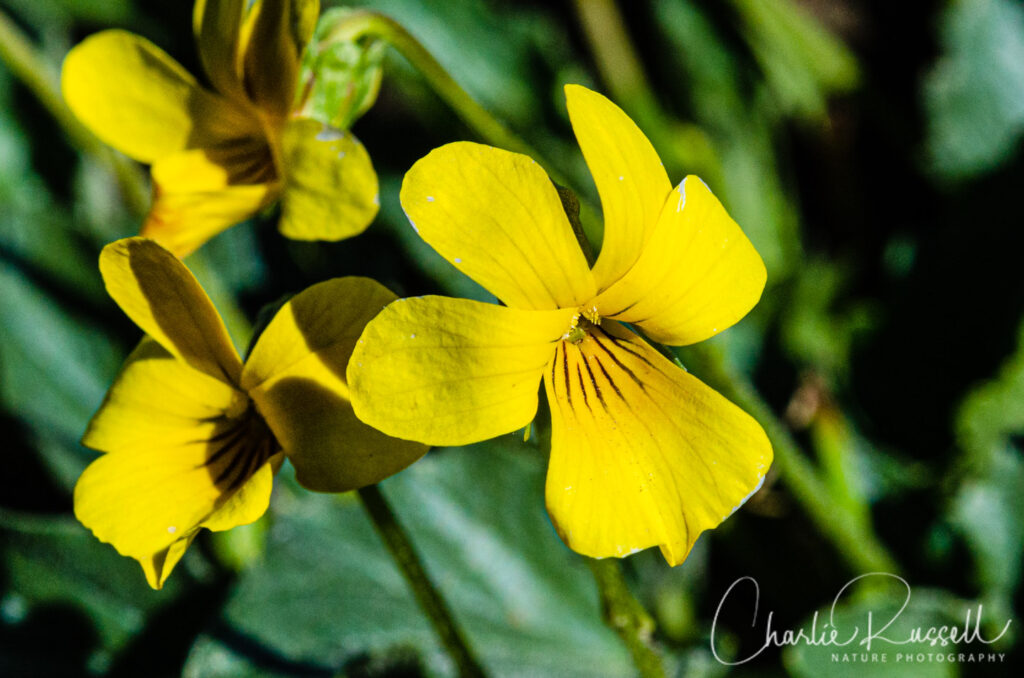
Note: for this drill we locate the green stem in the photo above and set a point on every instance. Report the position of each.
(624, 614)
(854, 539)
(430, 601)
(17, 52)
(363, 23)
(367, 23)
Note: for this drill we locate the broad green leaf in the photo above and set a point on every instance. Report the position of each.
(326, 591)
(53, 563)
(54, 367)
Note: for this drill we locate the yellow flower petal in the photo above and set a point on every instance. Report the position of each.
(217, 27)
(642, 453)
(296, 375)
(330, 190)
(698, 273)
(199, 193)
(277, 33)
(182, 222)
(452, 371)
(180, 446)
(162, 297)
(497, 217)
(158, 566)
(629, 176)
(143, 103)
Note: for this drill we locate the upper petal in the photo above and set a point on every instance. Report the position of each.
(142, 102)
(452, 371)
(330, 190)
(165, 300)
(642, 453)
(497, 217)
(698, 274)
(275, 36)
(217, 26)
(296, 375)
(178, 450)
(629, 176)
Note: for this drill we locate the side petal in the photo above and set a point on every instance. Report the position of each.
(199, 193)
(141, 101)
(642, 453)
(629, 176)
(165, 300)
(277, 34)
(178, 448)
(497, 217)
(697, 276)
(296, 376)
(452, 371)
(330, 190)
(217, 27)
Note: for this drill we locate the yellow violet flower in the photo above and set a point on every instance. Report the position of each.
(642, 453)
(193, 436)
(221, 154)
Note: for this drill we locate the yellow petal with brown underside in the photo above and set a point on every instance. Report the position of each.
(497, 217)
(217, 27)
(163, 298)
(697, 275)
(629, 176)
(642, 453)
(452, 371)
(275, 36)
(296, 375)
(142, 102)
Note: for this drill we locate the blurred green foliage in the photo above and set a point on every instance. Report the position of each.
(869, 150)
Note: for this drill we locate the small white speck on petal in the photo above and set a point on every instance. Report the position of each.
(430, 198)
(341, 154)
(412, 336)
(621, 177)
(458, 260)
(330, 134)
(171, 529)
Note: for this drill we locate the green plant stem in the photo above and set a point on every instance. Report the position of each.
(17, 52)
(364, 23)
(367, 23)
(624, 614)
(854, 539)
(430, 601)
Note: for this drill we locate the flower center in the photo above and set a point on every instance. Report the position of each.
(239, 447)
(582, 323)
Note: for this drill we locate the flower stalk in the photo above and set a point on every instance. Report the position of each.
(364, 23)
(625, 615)
(430, 601)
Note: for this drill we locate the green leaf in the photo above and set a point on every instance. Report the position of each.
(54, 369)
(53, 563)
(974, 96)
(327, 593)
